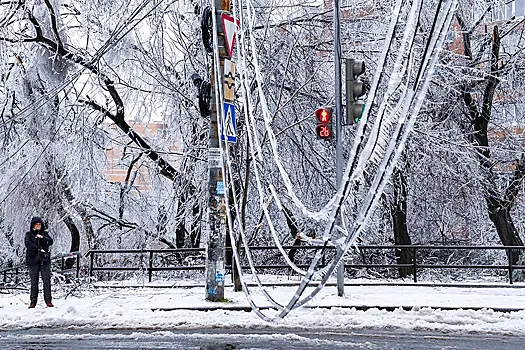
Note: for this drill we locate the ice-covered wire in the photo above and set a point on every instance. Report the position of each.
(364, 214)
(227, 172)
(388, 166)
(248, 107)
(381, 179)
(250, 115)
(310, 271)
(437, 39)
(229, 182)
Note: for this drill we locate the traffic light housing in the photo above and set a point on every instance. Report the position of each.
(323, 130)
(354, 89)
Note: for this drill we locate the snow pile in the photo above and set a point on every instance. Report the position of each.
(133, 308)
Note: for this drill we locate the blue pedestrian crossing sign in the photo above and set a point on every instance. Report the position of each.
(229, 124)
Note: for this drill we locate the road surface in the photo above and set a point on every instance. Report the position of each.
(251, 339)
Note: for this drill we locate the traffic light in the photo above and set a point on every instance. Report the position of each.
(323, 129)
(354, 90)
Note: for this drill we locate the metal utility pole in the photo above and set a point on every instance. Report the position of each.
(215, 252)
(223, 73)
(215, 223)
(338, 124)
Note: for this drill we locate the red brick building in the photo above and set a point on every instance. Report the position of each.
(121, 152)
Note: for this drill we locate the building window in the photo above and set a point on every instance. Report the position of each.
(519, 8)
(508, 9)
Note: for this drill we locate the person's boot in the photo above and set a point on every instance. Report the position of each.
(32, 305)
(49, 304)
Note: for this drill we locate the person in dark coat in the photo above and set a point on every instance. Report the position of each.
(38, 260)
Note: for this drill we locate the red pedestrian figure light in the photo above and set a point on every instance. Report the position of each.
(323, 130)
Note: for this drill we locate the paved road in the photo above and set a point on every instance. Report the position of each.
(228, 339)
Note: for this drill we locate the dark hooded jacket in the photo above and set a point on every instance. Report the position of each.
(33, 244)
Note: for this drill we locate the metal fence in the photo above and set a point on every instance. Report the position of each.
(12, 274)
(148, 258)
(157, 260)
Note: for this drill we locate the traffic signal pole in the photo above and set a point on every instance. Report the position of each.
(338, 125)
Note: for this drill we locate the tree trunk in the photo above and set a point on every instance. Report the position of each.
(290, 221)
(195, 225)
(180, 231)
(498, 205)
(80, 209)
(505, 227)
(398, 210)
(73, 230)
(507, 232)
(237, 285)
(75, 234)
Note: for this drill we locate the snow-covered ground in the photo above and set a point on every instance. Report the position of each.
(130, 307)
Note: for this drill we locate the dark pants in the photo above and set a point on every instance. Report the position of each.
(45, 271)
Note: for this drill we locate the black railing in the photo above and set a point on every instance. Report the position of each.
(12, 273)
(150, 254)
(414, 266)
(148, 259)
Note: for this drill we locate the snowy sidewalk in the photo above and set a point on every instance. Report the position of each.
(137, 308)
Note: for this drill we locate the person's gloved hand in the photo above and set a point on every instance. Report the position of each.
(39, 236)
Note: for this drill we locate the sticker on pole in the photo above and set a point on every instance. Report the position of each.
(214, 158)
(229, 124)
(230, 25)
(220, 187)
(219, 277)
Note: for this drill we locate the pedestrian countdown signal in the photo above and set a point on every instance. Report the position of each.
(323, 130)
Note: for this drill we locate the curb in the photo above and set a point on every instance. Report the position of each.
(356, 307)
(330, 284)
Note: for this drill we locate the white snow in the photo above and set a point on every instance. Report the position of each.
(130, 307)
